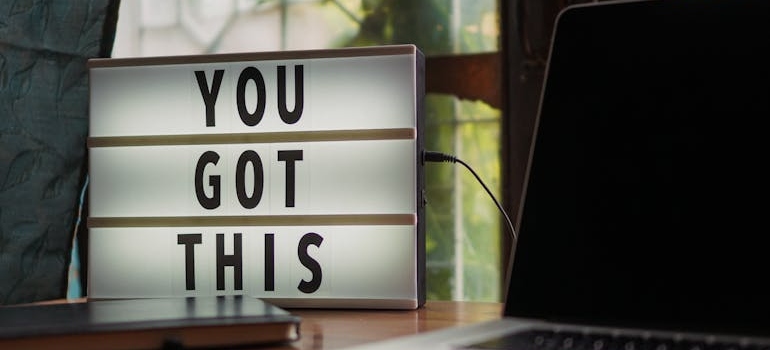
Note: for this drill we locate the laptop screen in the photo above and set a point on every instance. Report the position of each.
(646, 198)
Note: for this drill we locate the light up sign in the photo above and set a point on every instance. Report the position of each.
(291, 176)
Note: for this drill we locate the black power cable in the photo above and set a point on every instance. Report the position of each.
(438, 157)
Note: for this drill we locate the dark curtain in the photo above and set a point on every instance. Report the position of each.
(44, 47)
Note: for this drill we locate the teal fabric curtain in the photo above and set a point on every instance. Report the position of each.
(44, 47)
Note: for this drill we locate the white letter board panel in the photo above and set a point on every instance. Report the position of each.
(292, 176)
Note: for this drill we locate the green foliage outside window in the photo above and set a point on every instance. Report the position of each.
(470, 131)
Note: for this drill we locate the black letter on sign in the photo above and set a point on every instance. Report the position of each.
(235, 260)
(290, 157)
(214, 181)
(250, 73)
(312, 265)
(240, 179)
(209, 96)
(293, 116)
(269, 262)
(189, 239)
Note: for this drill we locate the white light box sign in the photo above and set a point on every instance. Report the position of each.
(291, 176)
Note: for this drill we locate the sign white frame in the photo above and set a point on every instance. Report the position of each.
(293, 176)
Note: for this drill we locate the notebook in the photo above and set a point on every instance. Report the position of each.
(178, 323)
(645, 213)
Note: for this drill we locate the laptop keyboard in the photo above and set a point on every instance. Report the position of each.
(568, 340)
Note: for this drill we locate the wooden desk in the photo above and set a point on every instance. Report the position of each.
(336, 329)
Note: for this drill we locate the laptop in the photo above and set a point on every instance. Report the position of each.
(645, 214)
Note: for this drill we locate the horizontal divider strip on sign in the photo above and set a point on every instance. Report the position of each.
(260, 220)
(254, 137)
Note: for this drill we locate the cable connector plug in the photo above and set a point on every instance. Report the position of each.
(438, 157)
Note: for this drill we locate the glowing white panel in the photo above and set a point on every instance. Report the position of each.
(343, 262)
(292, 176)
(339, 94)
(341, 177)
